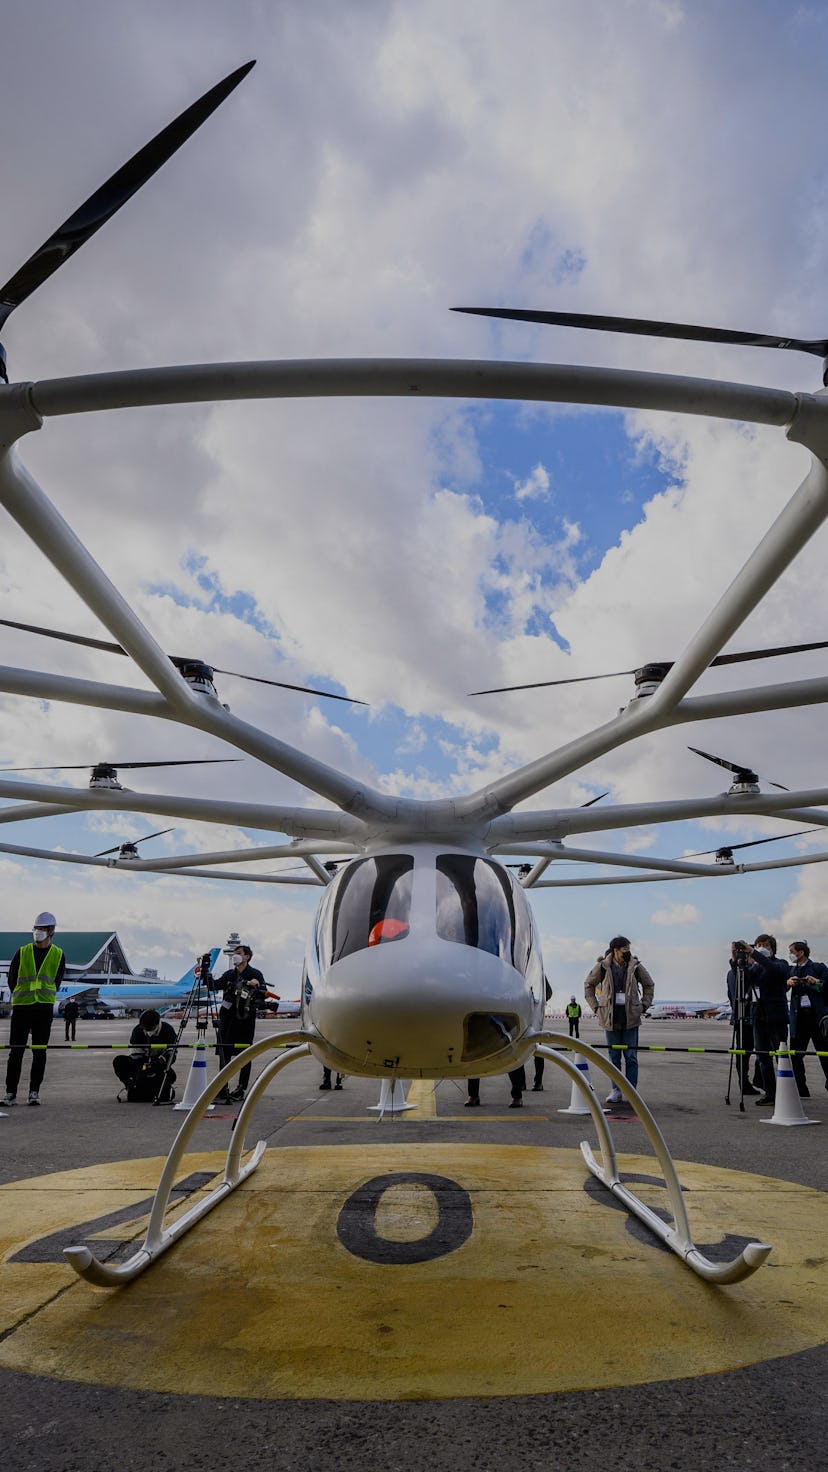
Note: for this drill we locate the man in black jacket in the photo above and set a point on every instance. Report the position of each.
(767, 978)
(146, 1072)
(244, 990)
(808, 986)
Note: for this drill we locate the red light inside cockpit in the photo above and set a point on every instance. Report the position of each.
(387, 930)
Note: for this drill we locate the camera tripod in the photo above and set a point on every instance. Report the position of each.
(193, 1004)
(741, 1022)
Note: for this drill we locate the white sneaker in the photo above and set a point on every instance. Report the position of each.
(34, 1097)
(9, 1100)
(614, 1096)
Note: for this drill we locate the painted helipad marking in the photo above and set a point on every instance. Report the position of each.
(386, 1272)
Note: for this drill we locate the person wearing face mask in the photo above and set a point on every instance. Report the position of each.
(147, 1072)
(767, 978)
(808, 989)
(243, 989)
(619, 990)
(35, 973)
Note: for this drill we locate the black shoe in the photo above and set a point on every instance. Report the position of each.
(222, 1097)
(237, 1096)
(537, 1088)
(326, 1084)
(766, 1099)
(805, 1093)
(472, 1103)
(749, 1089)
(336, 1086)
(516, 1104)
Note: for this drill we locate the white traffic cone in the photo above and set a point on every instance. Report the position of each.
(391, 1099)
(788, 1107)
(577, 1102)
(197, 1080)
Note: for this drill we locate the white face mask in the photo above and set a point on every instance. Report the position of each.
(40, 935)
(239, 959)
(763, 950)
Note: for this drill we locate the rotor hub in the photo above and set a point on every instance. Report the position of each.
(648, 679)
(104, 776)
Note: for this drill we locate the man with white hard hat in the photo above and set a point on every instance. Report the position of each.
(35, 973)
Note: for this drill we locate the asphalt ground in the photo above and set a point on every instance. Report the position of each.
(460, 1387)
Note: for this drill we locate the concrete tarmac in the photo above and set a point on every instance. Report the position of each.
(260, 1345)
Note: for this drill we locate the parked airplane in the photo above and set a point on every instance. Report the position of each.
(133, 997)
(714, 1011)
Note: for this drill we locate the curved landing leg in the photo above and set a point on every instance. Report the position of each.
(678, 1237)
(158, 1237)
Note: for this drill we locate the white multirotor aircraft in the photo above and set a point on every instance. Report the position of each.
(424, 958)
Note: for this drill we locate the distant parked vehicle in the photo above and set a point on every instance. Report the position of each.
(290, 1007)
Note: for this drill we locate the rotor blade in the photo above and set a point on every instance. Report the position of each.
(201, 761)
(746, 654)
(542, 684)
(751, 843)
(68, 638)
(766, 653)
(643, 327)
(109, 198)
(720, 761)
(111, 648)
(595, 799)
(125, 766)
(133, 841)
(282, 685)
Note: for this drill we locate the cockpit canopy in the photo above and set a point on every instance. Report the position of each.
(477, 904)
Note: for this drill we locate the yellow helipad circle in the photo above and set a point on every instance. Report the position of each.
(548, 1291)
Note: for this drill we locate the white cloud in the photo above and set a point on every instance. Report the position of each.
(676, 915)
(535, 486)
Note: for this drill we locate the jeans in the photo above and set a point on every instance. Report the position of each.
(626, 1037)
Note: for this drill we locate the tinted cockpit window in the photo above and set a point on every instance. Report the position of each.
(475, 905)
(371, 906)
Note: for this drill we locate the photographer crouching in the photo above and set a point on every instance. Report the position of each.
(243, 989)
(147, 1072)
(767, 981)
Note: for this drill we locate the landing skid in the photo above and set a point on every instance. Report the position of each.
(159, 1238)
(678, 1236)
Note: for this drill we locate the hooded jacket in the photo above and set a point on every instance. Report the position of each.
(600, 991)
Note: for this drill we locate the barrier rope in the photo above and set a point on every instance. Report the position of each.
(601, 1047)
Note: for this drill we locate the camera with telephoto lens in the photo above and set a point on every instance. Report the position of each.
(741, 949)
(245, 998)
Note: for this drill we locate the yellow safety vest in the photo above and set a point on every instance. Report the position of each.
(36, 983)
(572, 1009)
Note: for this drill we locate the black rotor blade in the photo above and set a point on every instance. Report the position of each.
(544, 684)
(720, 761)
(282, 685)
(643, 327)
(721, 659)
(109, 198)
(767, 653)
(592, 800)
(208, 761)
(134, 841)
(112, 648)
(751, 843)
(67, 638)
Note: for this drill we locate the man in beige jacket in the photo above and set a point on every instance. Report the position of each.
(619, 990)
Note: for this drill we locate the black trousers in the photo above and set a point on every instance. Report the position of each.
(128, 1071)
(35, 1020)
(517, 1078)
(743, 1038)
(573, 1027)
(770, 1029)
(71, 1024)
(807, 1031)
(234, 1031)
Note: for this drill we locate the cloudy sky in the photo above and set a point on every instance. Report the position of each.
(383, 162)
